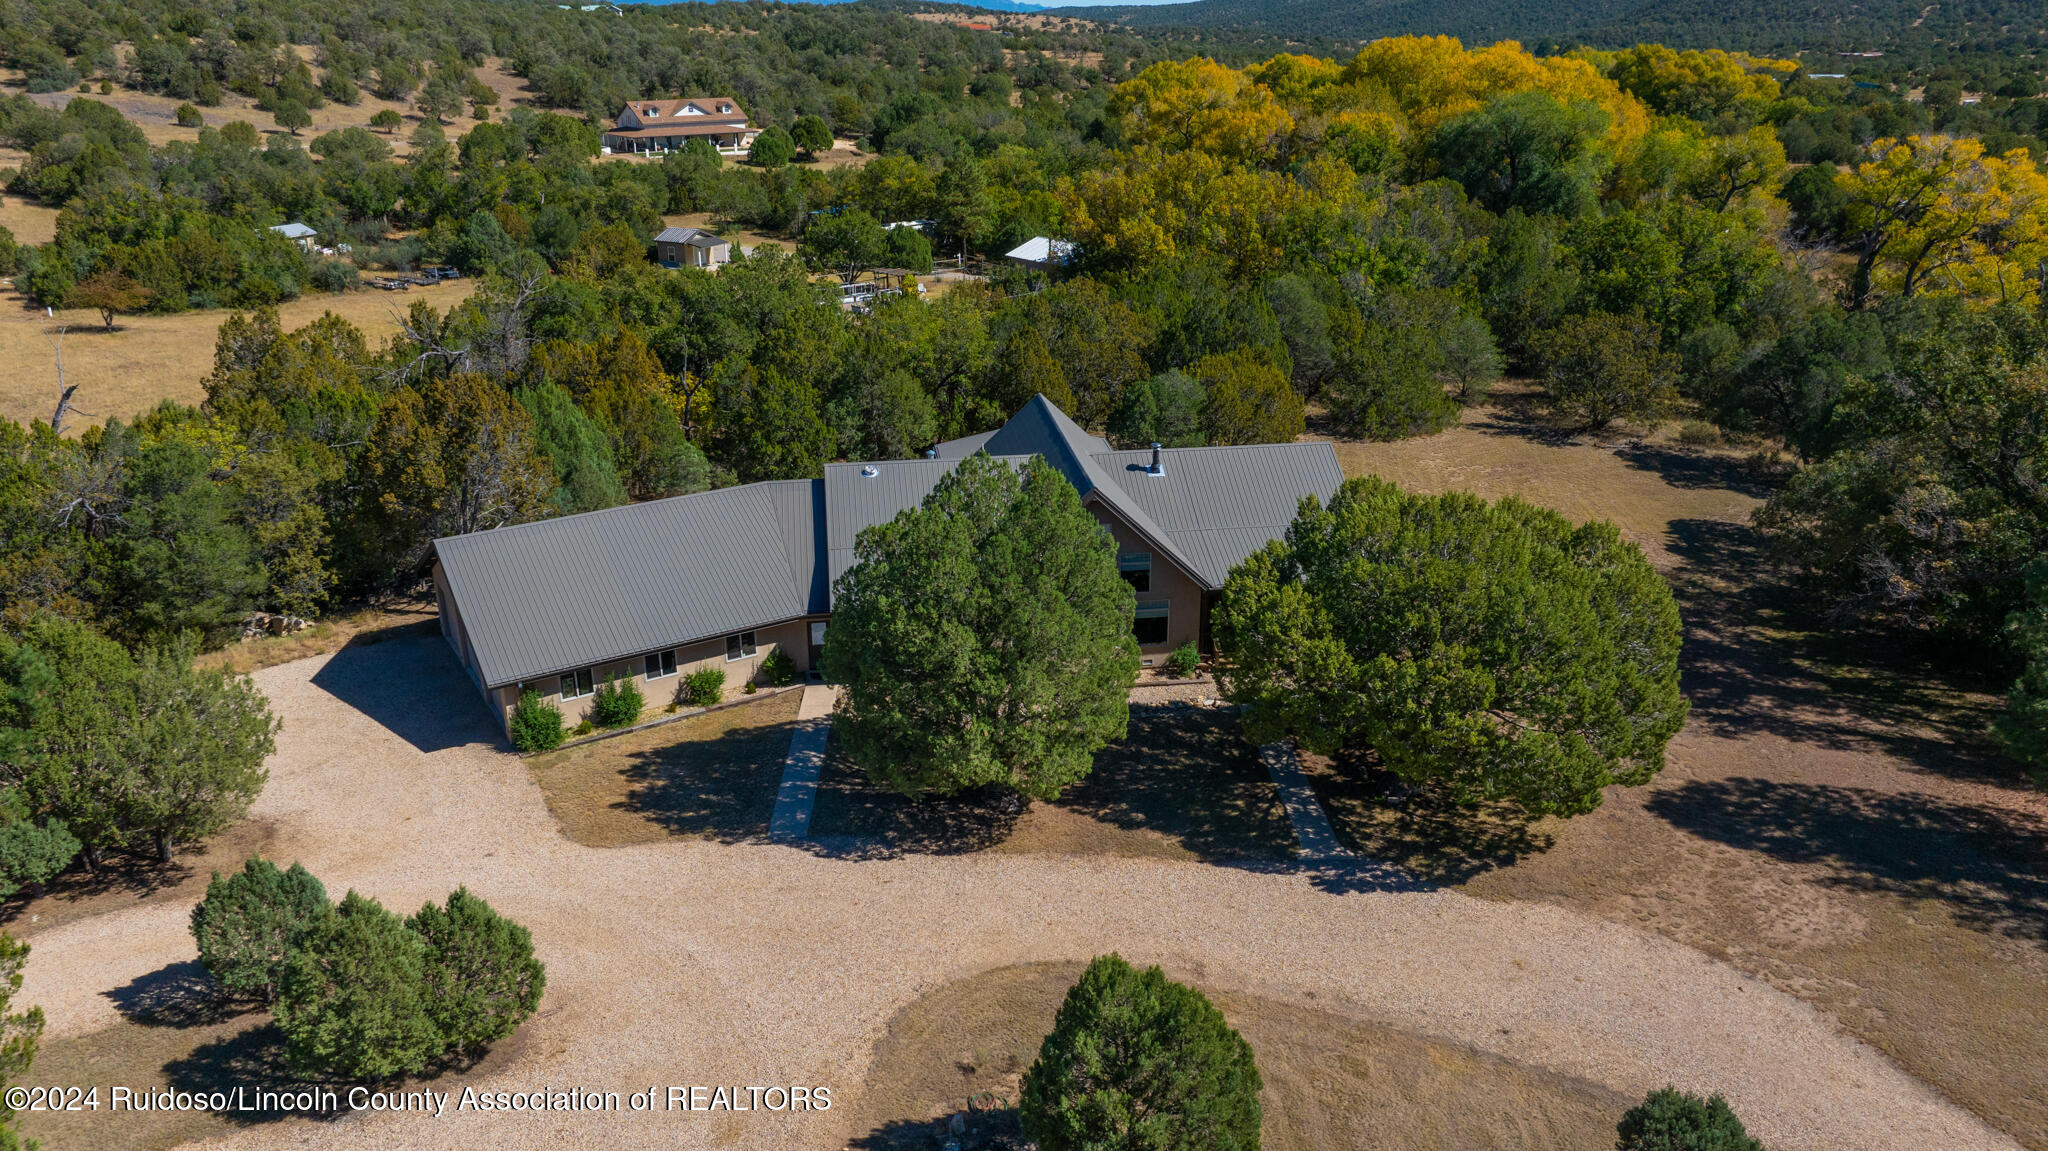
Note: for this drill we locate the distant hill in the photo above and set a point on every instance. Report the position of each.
(1774, 26)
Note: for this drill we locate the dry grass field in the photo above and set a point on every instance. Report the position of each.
(1330, 1080)
(147, 359)
(1829, 820)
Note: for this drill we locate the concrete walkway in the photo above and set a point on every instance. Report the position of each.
(1312, 829)
(799, 789)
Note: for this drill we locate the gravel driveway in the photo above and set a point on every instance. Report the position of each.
(693, 963)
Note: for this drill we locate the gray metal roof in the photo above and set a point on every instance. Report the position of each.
(696, 237)
(541, 598)
(546, 597)
(1219, 505)
(855, 500)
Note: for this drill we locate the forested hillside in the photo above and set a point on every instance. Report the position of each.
(1905, 30)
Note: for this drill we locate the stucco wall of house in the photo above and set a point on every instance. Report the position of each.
(792, 636)
(1179, 590)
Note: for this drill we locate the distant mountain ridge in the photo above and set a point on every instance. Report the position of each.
(1774, 26)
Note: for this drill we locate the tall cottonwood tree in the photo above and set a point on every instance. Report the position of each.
(984, 638)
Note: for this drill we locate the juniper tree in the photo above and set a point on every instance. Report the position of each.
(482, 980)
(1494, 648)
(984, 637)
(248, 922)
(1136, 1060)
(352, 1002)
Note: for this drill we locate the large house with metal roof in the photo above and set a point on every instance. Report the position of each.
(656, 590)
(666, 125)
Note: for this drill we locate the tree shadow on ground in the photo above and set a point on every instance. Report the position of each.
(1684, 467)
(254, 1061)
(1757, 659)
(1988, 864)
(1525, 413)
(988, 1131)
(1182, 771)
(1186, 772)
(721, 788)
(411, 685)
(856, 817)
(1419, 830)
(178, 995)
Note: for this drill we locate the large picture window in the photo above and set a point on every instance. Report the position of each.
(661, 663)
(576, 684)
(1136, 568)
(739, 646)
(1150, 624)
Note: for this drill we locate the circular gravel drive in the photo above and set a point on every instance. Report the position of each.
(687, 963)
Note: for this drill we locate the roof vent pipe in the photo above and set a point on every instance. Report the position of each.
(1157, 468)
(931, 453)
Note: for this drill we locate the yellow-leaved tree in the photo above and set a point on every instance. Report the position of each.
(1937, 215)
(1201, 106)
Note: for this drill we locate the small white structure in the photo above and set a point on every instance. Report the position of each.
(297, 233)
(1041, 252)
(691, 248)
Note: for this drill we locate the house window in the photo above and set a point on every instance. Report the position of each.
(1136, 568)
(576, 684)
(661, 663)
(1150, 625)
(739, 646)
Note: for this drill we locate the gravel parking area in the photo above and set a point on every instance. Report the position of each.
(690, 962)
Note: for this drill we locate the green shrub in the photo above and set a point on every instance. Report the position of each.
(1185, 661)
(482, 980)
(249, 921)
(536, 723)
(335, 276)
(188, 116)
(32, 854)
(617, 703)
(703, 688)
(584, 728)
(353, 999)
(1674, 1120)
(778, 669)
(1137, 1060)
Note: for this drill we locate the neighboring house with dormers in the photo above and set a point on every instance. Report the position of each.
(655, 590)
(666, 125)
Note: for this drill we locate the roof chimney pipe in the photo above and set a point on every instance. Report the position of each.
(931, 453)
(1157, 468)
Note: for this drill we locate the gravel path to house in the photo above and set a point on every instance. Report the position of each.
(696, 963)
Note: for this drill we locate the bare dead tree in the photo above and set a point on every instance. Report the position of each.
(65, 392)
